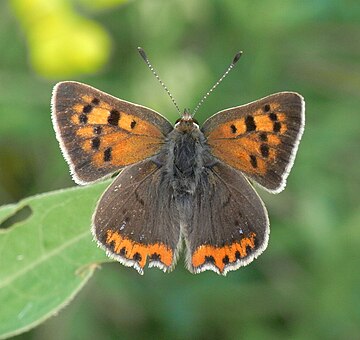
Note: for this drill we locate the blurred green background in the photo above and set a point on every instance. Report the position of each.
(307, 283)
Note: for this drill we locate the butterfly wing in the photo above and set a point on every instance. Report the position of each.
(260, 138)
(136, 219)
(229, 226)
(100, 134)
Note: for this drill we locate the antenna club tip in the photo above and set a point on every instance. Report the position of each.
(142, 53)
(237, 57)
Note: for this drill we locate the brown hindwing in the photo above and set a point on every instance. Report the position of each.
(136, 220)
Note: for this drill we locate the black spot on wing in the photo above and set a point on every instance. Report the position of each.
(263, 136)
(87, 108)
(98, 130)
(264, 149)
(226, 259)
(137, 257)
(107, 155)
(250, 124)
(95, 101)
(277, 127)
(209, 259)
(114, 117)
(155, 257)
(83, 118)
(273, 116)
(95, 143)
(253, 161)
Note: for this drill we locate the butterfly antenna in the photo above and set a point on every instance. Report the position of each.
(144, 56)
(234, 61)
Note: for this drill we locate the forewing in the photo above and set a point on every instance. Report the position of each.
(100, 134)
(229, 226)
(136, 219)
(260, 138)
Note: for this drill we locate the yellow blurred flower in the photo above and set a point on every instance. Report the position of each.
(61, 42)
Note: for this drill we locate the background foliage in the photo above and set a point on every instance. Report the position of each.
(306, 285)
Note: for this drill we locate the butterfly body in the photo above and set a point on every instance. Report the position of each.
(178, 184)
(186, 154)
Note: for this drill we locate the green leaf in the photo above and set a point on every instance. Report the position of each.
(47, 256)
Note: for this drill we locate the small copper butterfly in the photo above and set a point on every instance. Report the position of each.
(181, 184)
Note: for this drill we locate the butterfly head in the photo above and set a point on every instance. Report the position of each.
(186, 123)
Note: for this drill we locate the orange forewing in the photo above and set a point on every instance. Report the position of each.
(259, 138)
(100, 134)
(132, 139)
(238, 148)
(235, 142)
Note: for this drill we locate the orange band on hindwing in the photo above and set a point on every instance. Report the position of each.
(138, 252)
(222, 256)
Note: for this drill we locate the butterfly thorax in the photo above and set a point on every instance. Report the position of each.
(187, 154)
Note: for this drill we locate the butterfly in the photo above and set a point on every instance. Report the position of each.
(178, 184)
